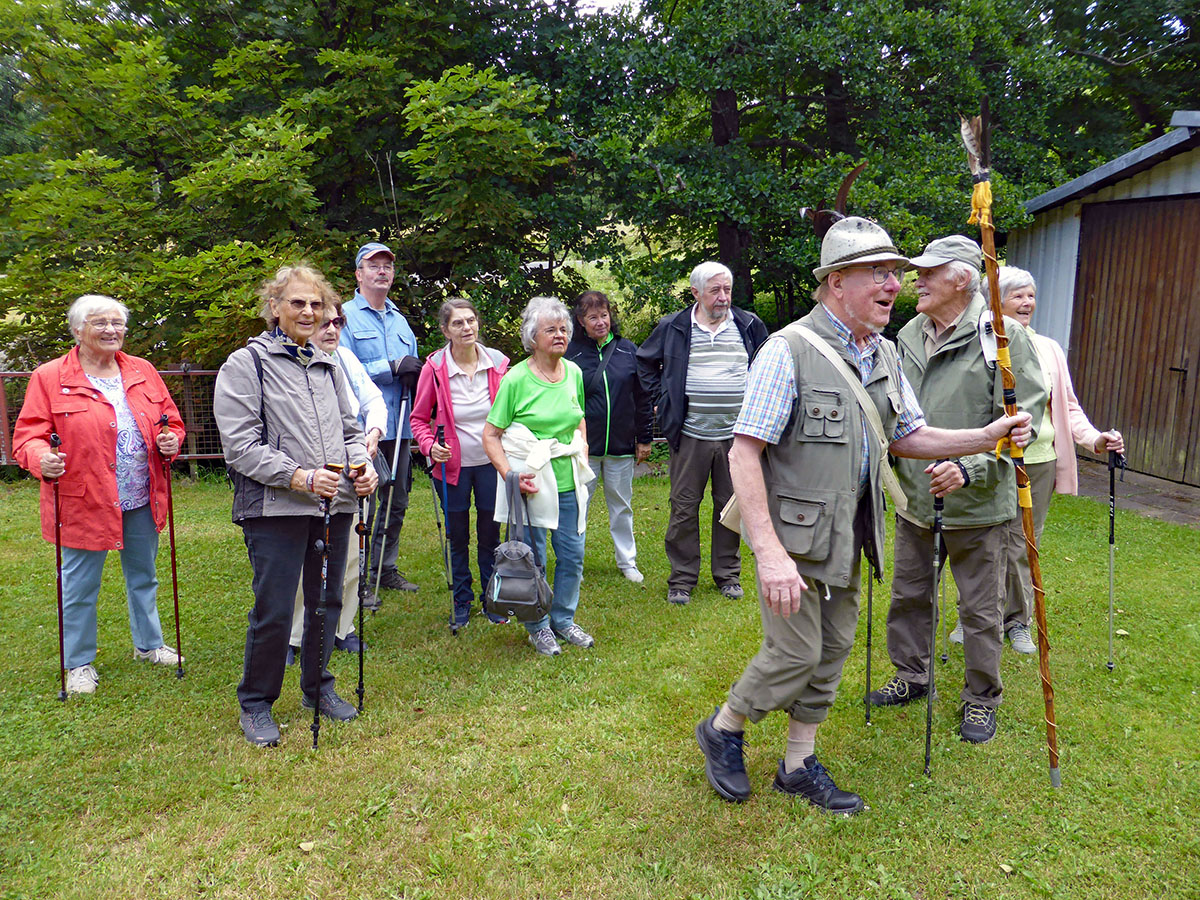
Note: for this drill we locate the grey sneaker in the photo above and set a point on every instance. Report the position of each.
(678, 596)
(82, 679)
(732, 591)
(1021, 640)
(544, 643)
(259, 728)
(333, 707)
(394, 581)
(576, 636)
(956, 634)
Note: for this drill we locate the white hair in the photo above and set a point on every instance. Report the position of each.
(958, 268)
(89, 305)
(1011, 279)
(538, 310)
(706, 272)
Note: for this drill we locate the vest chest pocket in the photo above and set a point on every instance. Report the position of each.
(805, 526)
(824, 415)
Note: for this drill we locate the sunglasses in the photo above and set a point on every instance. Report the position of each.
(335, 322)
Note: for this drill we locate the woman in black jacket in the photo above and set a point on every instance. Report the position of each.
(618, 415)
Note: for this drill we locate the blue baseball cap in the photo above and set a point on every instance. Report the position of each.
(371, 249)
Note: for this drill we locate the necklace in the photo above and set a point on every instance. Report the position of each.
(541, 373)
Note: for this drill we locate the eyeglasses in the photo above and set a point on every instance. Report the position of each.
(117, 325)
(301, 305)
(378, 267)
(335, 322)
(880, 273)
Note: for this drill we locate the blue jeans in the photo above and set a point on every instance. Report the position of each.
(456, 506)
(568, 564)
(81, 571)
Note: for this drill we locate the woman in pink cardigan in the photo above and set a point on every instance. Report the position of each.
(1049, 460)
(456, 390)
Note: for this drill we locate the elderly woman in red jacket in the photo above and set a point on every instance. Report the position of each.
(456, 389)
(105, 405)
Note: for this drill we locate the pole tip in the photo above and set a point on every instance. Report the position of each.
(62, 696)
(1109, 666)
(1055, 778)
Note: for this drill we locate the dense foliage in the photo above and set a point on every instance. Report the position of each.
(172, 154)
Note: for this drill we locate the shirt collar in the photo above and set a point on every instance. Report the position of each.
(847, 336)
(716, 330)
(453, 368)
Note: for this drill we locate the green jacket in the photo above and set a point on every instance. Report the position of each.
(812, 474)
(958, 389)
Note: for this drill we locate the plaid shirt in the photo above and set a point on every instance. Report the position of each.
(771, 392)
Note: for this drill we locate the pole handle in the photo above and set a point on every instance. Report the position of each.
(55, 440)
(441, 435)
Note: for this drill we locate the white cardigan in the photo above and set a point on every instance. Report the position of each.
(527, 453)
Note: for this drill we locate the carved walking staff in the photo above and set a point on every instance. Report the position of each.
(976, 137)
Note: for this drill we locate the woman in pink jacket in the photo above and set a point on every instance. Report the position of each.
(1049, 460)
(106, 407)
(456, 390)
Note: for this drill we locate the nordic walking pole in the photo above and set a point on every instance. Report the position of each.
(939, 504)
(55, 443)
(360, 529)
(323, 549)
(941, 615)
(442, 537)
(166, 464)
(387, 514)
(976, 137)
(1115, 461)
(870, 597)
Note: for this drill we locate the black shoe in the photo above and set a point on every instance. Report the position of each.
(333, 707)
(393, 580)
(291, 655)
(897, 692)
(978, 723)
(259, 728)
(351, 643)
(723, 761)
(813, 782)
(679, 596)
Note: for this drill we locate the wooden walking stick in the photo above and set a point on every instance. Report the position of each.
(976, 137)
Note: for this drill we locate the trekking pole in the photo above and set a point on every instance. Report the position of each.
(55, 443)
(976, 137)
(942, 616)
(870, 597)
(322, 548)
(387, 514)
(1115, 461)
(361, 530)
(442, 536)
(166, 464)
(939, 504)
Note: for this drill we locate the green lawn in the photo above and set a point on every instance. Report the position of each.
(480, 770)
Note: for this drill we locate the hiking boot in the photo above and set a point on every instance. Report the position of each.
(1021, 640)
(897, 692)
(724, 763)
(633, 575)
(393, 580)
(956, 635)
(371, 602)
(732, 591)
(162, 656)
(82, 679)
(333, 707)
(259, 728)
(575, 636)
(460, 617)
(351, 643)
(978, 723)
(291, 655)
(678, 596)
(544, 643)
(813, 782)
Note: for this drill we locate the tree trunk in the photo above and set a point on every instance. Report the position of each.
(732, 237)
(837, 115)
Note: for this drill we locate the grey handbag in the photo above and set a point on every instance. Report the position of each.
(518, 587)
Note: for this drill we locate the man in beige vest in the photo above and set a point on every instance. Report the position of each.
(807, 471)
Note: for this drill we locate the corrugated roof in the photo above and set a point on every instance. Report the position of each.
(1184, 135)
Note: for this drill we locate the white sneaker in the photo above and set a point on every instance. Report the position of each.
(163, 656)
(633, 575)
(956, 636)
(82, 679)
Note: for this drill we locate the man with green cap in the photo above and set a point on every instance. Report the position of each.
(948, 354)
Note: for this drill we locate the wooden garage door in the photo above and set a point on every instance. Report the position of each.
(1135, 335)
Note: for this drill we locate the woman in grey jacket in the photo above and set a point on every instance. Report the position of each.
(283, 417)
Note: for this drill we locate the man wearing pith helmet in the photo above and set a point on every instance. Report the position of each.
(948, 354)
(809, 460)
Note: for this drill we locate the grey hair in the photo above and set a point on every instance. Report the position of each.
(958, 268)
(90, 304)
(1011, 279)
(535, 311)
(706, 272)
(274, 288)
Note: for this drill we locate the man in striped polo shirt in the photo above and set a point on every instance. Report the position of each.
(694, 366)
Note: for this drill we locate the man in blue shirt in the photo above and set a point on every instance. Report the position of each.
(379, 335)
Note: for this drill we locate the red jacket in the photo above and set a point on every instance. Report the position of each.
(61, 399)
(432, 405)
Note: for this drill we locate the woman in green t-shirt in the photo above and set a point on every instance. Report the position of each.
(536, 427)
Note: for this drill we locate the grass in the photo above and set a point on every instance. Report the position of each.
(480, 770)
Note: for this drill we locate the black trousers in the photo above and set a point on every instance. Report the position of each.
(283, 549)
